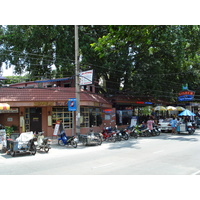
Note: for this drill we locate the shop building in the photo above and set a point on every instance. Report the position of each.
(38, 109)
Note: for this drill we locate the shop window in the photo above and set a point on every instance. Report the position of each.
(123, 117)
(84, 120)
(62, 113)
(90, 117)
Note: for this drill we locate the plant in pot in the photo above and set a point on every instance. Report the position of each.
(9, 131)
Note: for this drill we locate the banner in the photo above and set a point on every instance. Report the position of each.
(56, 129)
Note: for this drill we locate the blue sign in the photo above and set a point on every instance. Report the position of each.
(186, 98)
(72, 104)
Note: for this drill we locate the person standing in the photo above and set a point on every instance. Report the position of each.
(178, 125)
(150, 123)
(173, 125)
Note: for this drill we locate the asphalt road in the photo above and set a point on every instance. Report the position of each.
(161, 155)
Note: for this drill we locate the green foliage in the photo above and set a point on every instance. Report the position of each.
(150, 61)
(158, 59)
(9, 130)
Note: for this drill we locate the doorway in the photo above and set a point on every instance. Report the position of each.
(36, 119)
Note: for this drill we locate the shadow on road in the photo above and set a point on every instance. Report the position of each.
(131, 143)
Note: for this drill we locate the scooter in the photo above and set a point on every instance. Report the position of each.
(109, 134)
(43, 142)
(67, 140)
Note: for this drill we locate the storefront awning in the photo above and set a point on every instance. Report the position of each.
(4, 106)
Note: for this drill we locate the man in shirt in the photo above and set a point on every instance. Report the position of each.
(173, 125)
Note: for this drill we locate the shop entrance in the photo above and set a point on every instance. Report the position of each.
(36, 119)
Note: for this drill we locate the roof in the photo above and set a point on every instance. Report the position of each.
(53, 80)
(14, 94)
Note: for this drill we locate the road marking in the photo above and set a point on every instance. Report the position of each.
(196, 173)
(102, 166)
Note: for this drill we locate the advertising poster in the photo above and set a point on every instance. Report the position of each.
(56, 129)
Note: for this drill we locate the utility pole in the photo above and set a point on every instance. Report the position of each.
(77, 72)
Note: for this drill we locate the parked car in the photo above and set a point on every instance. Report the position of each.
(165, 125)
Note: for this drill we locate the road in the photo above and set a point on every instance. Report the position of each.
(161, 155)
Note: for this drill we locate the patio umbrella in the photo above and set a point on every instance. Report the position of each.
(2, 78)
(186, 113)
(179, 108)
(4, 106)
(160, 108)
(170, 108)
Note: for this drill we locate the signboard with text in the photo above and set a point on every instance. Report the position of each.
(72, 104)
(86, 77)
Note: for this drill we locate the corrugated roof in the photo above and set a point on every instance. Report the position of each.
(46, 94)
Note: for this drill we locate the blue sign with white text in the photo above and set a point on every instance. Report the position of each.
(72, 104)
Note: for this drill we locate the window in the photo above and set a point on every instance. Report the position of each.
(62, 113)
(123, 117)
(90, 117)
(84, 120)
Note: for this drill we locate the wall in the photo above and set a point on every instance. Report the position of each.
(5, 117)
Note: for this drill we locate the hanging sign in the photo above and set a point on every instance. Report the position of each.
(72, 104)
(86, 77)
(186, 95)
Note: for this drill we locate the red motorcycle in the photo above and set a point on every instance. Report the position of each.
(108, 134)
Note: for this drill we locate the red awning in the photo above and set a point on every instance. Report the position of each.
(4, 106)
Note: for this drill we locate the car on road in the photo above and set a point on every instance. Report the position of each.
(165, 125)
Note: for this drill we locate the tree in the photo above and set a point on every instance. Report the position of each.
(159, 58)
(37, 48)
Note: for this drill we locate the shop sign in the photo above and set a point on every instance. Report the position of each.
(43, 103)
(186, 95)
(107, 110)
(12, 110)
(72, 104)
(142, 102)
(86, 77)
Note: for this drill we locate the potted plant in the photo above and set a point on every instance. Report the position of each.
(9, 131)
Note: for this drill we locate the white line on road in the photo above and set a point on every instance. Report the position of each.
(196, 173)
(102, 166)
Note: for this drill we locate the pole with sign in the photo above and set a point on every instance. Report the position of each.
(72, 107)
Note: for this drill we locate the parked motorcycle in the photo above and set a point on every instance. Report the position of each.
(139, 130)
(157, 130)
(125, 134)
(67, 140)
(43, 143)
(109, 134)
(91, 138)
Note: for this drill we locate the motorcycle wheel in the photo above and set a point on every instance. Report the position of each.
(100, 141)
(46, 149)
(153, 133)
(146, 133)
(135, 135)
(60, 142)
(157, 133)
(12, 153)
(114, 139)
(33, 150)
(118, 138)
(74, 144)
(125, 137)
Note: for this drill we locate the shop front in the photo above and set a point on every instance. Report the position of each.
(39, 110)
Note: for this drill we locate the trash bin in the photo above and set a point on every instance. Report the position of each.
(14, 136)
